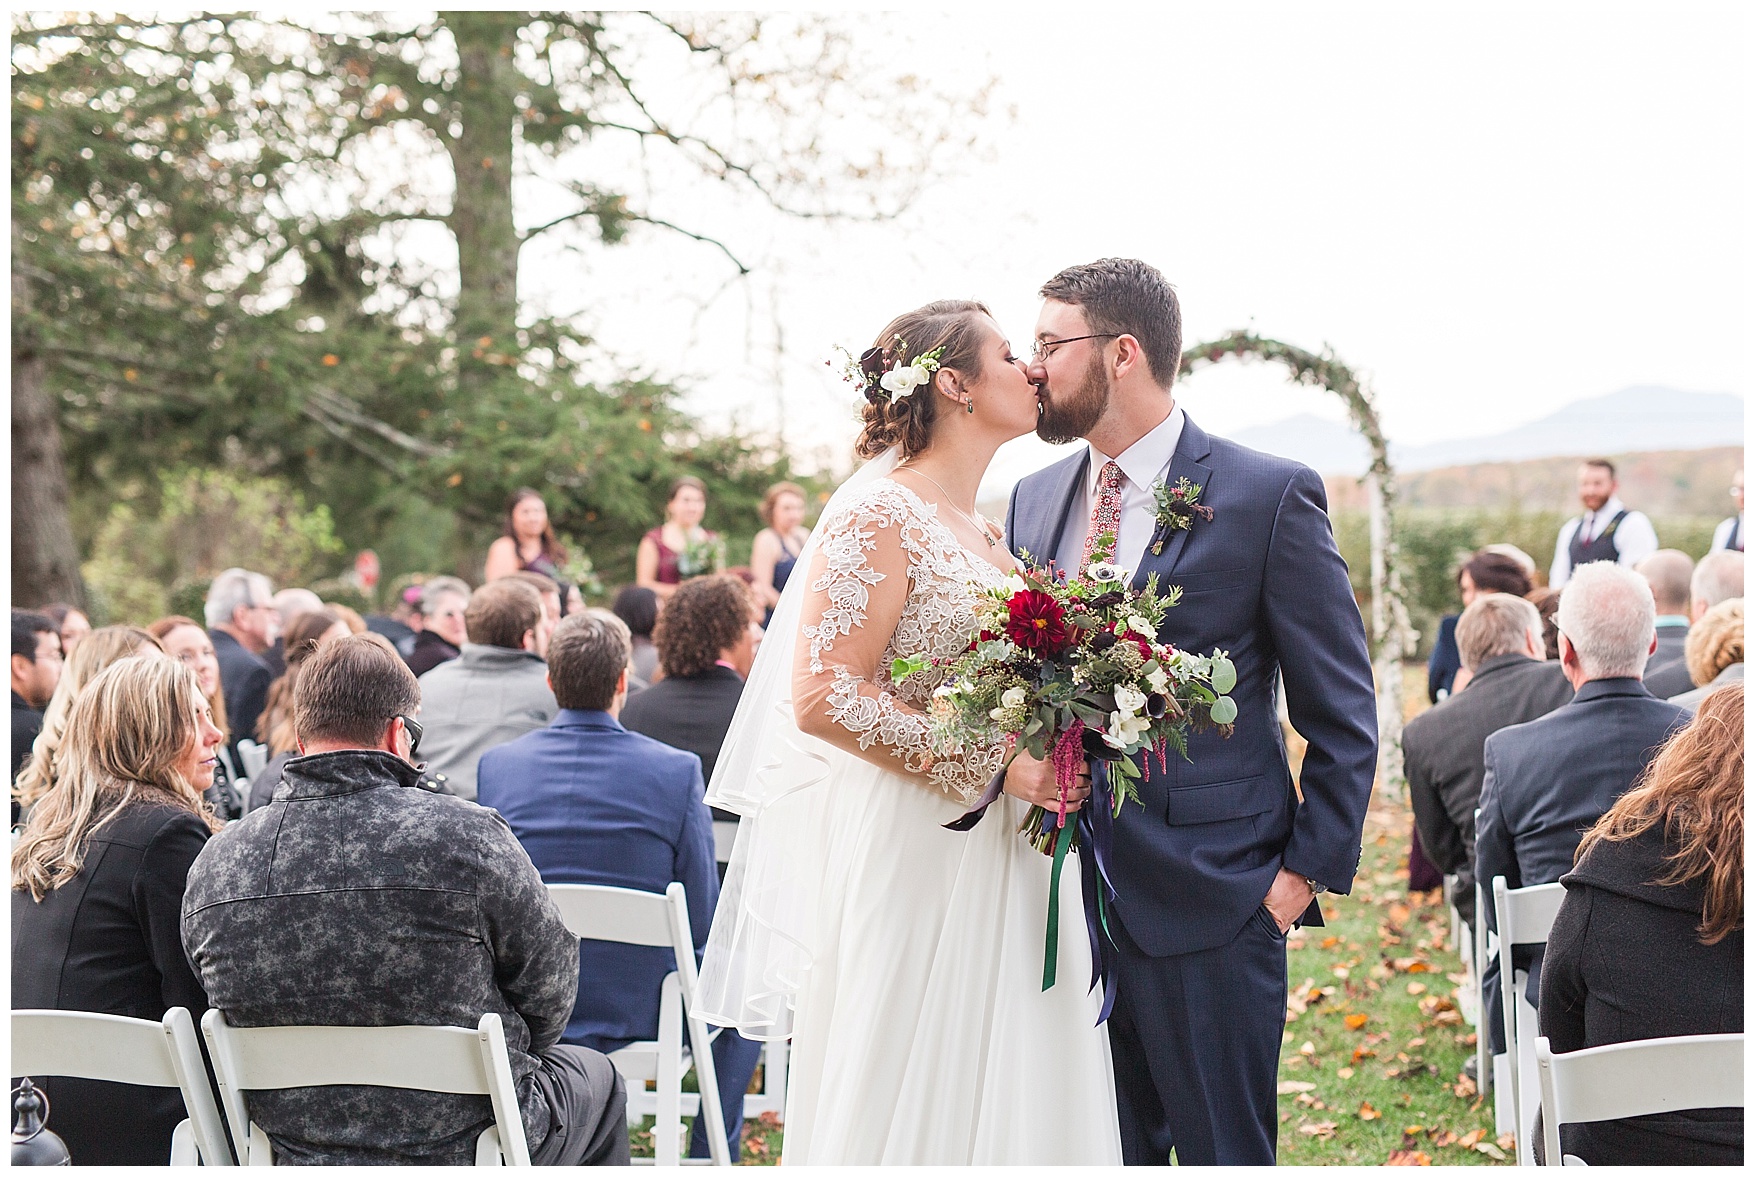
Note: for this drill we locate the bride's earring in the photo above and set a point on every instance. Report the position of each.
(969, 403)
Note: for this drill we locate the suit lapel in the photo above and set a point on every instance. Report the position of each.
(1060, 490)
(1192, 448)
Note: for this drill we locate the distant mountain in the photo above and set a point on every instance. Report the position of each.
(1633, 420)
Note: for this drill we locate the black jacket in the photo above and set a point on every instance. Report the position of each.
(1625, 962)
(357, 898)
(1666, 674)
(1549, 781)
(1443, 757)
(27, 721)
(244, 679)
(688, 713)
(106, 941)
(428, 650)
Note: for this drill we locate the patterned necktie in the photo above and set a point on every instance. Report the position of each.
(1584, 528)
(1106, 516)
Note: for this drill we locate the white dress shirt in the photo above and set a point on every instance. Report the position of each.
(1634, 540)
(1721, 537)
(1143, 464)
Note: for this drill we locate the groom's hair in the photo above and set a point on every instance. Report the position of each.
(1125, 296)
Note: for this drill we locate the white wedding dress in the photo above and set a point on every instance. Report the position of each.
(905, 959)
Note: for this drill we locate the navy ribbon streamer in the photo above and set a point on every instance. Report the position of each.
(1096, 827)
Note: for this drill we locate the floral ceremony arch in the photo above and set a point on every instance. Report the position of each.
(1392, 636)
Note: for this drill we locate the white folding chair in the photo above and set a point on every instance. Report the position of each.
(254, 757)
(1524, 915)
(451, 1059)
(724, 838)
(115, 1049)
(1635, 1079)
(623, 916)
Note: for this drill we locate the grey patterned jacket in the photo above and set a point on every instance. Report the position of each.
(359, 899)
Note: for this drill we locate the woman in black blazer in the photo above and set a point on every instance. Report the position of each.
(1649, 940)
(97, 888)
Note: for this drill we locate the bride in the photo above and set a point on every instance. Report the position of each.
(903, 959)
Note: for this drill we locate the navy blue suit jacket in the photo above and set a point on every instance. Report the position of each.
(592, 802)
(1263, 581)
(1547, 782)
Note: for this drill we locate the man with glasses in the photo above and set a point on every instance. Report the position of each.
(360, 896)
(242, 623)
(36, 669)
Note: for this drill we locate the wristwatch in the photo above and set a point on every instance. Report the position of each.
(1316, 888)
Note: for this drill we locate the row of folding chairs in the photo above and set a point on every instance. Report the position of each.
(423, 1058)
(1602, 1083)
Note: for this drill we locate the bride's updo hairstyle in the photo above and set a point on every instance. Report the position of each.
(953, 324)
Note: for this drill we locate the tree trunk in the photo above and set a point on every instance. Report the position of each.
(481, 216)
(45, 561)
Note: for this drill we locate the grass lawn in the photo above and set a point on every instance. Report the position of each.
(1371, 1069)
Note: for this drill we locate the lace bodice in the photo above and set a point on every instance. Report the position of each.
(889, 580)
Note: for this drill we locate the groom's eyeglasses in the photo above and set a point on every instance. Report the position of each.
(1045, 347)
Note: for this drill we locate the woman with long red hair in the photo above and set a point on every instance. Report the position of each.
(1649, 940)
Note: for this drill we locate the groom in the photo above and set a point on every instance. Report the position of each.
(1225, 857)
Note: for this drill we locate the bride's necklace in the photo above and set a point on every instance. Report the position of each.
(980, 525)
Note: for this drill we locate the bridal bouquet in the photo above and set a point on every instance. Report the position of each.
(1072, 671)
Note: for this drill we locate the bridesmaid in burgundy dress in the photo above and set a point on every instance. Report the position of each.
(667, 553)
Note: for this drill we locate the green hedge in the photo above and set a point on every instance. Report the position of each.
(1436, 541)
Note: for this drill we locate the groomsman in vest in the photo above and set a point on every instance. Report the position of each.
(1729, 536)
(1606, 531)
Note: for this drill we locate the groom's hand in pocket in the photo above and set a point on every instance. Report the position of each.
(1288, 899)
(1032, 780)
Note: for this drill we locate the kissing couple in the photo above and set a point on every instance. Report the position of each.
(904, 959)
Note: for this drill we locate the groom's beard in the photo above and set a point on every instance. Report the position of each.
(1068, 416)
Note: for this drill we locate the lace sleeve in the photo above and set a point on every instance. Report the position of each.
(859, 587)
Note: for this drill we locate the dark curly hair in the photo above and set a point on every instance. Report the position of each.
(953, 324)
(701, 619)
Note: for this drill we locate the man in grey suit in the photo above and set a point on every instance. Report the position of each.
(1550, 780)
(1668, 572)
(1500, 638)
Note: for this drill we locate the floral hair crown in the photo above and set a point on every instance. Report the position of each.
(873, 370)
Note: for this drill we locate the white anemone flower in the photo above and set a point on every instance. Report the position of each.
(1103, 572)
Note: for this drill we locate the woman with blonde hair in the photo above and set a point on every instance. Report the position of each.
(97, 887)
(1649, 940)
(1713, 652)
(99, 650)
(186, 640)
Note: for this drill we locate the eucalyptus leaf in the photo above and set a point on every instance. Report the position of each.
(1224, 675)
(1224, 709)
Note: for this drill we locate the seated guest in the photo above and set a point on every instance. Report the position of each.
(1547, 603)
(1649, 940)
(638, 609)
(1549, 780)
(358, 898)
(289, 605)
(243, 623)
(595, 803)
(1669, 573)
(72, 623)
(1486, 572)
(495, 691)
(1500, 638)
(1717, 578)
(550, 592)
(97, 889)
(184, 639)
(399, 626)
(36, 668)
(101, 649)
(1715, 652)
(706, 644)
(443, 600)
(276, 730)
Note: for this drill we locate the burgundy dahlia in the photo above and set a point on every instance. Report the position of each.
(1037, 623)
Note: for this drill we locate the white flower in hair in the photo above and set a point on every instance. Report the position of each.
(900, 381)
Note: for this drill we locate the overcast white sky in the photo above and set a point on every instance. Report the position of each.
(1492, 210)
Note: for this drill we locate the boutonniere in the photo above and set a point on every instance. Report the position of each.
(1177, 507)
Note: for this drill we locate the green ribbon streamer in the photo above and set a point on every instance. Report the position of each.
(1051, 942)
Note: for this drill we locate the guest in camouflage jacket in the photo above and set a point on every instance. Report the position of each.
(360, 898)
